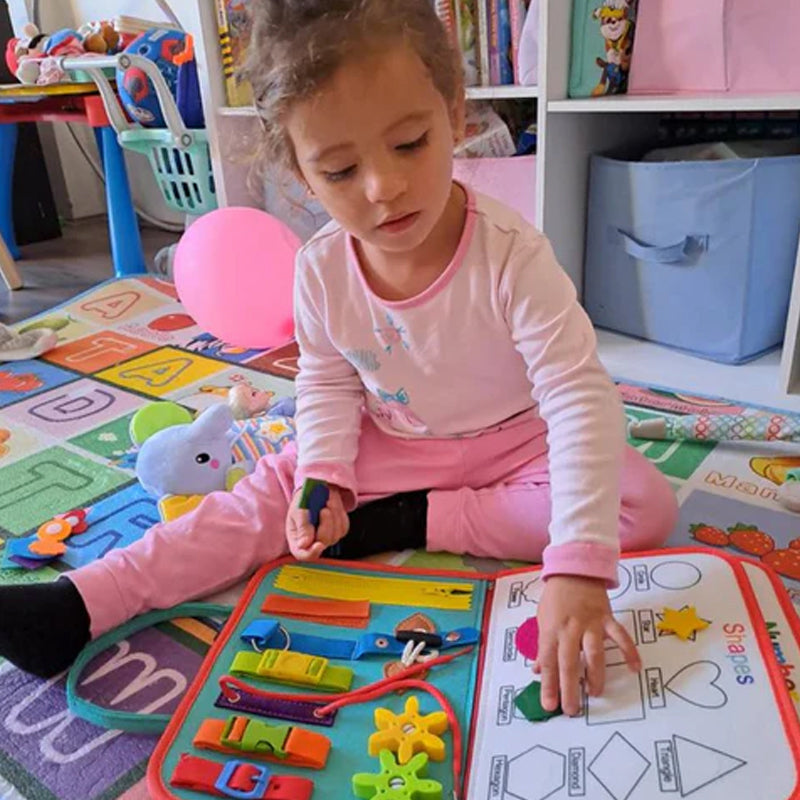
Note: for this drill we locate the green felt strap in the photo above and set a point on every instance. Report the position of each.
(129, 721)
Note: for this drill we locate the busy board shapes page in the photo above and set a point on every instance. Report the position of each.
(684, 726)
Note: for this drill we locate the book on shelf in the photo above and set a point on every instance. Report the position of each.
(466, 19)
(233, 25)
(488, 34)
(506, 69)
(518, 10)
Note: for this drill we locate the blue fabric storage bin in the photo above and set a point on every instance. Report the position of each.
(696, 255)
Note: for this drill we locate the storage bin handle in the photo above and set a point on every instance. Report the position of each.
(666, 254)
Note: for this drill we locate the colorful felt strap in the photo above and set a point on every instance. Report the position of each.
(238, 779)
(293, 669)
(268, 634)
(346, 613)
(281, 743)
(387, 644)
(276, 707)
(336, 585)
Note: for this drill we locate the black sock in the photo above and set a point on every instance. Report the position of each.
(398, 522)
(43, 626)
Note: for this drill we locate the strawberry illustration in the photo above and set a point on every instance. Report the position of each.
(751, 540)
(708, 534)
(19, 382)
(784, 562)
(795, 544)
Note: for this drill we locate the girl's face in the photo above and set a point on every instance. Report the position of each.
(375, 146)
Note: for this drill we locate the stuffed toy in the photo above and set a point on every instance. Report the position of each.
(34, 57)
(100, 37)
(247, 401)
(189, 458)
(181, 459)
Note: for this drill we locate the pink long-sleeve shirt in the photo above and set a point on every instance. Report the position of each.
(500, 332)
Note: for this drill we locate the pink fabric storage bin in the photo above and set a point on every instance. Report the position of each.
(763, 46)
(716, 46)
(510, 180)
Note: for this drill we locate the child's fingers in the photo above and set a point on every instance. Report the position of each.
(595, 654)
(622, 639)
(299, 529)
(301, 520)
(302, 542)
(335, 502)
(341, 522)
(333, 521)
(569, 664)
(311, 553)
(326, 530)
(548, 668)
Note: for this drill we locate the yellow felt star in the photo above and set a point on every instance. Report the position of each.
(409, 733)
(683, 623)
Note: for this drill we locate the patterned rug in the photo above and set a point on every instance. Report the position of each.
(64, 428)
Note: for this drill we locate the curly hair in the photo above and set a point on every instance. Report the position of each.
(297, 45)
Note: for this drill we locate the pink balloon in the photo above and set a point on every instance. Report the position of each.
(234, 272)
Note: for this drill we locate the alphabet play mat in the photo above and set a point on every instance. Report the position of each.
(675, 729)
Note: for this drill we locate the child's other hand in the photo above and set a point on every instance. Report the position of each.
(574, 616)
(306, 544)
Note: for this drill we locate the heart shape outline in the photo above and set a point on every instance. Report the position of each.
(697, 687)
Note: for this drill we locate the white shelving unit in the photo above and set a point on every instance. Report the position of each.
(473, 93)
(502, 92)
(569, 131)
(629, 104)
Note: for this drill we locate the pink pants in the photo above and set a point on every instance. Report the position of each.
(490, 497)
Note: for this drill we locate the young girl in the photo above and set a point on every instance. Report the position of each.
(449, 390)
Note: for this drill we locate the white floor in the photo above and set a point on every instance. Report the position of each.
(756, 383)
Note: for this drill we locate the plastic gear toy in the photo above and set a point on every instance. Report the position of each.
(398, 781)
(409, 733)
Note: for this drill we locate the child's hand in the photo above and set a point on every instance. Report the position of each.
(575, 615)
(306, 544)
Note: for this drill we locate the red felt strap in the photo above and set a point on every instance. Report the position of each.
(202, 775)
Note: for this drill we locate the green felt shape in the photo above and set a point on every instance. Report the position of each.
(155, 417)
(396, 781)
(529, 702)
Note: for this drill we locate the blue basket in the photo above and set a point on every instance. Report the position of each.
(695, 255)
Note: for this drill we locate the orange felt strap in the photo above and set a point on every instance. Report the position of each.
(301, 748)
(347, 613)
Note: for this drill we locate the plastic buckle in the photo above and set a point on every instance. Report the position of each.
(252, 736)
(288, 666)
(259, 775)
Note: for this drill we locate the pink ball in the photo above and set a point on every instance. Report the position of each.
(234, 272)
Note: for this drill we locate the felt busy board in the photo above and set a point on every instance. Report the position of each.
(342, 679)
